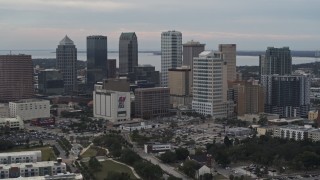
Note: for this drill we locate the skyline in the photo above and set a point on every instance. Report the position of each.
(252, 25)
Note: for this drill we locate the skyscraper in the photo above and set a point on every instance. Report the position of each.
(276, 61)
(16, 77)
(97, 56)
(229, 52)
(287, 95)
(66, 54)
(210, 85)
(171, 53)
(191, 49)
(128, 52)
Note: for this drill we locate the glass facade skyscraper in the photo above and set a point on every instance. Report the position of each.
(128, 52)
(97, 56)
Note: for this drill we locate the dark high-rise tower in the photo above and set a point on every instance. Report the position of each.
(16, 77)
(276, 61)
(97, 56)
(67, 64)
(128, 52)
(287, 95)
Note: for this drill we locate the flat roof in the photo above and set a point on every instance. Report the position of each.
(20, 153)
(29, 100)
(36, 164)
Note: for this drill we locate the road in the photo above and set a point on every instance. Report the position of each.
(149, 157)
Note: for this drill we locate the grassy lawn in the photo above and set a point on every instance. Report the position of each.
(220, 177)
(89, 153)
(46, 152)
(108, 166)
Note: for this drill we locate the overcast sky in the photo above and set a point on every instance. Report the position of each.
(251, 24)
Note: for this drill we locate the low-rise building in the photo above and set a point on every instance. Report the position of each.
(44, 168)
(202, 171)
(138, 126)
(4, 111)
(314, 135)
(238, 131)
(29, 109)
(114, 106)
(152, 102)
(156, 148)
(20, 157)
(15, 123)
(292, 132)
(313, 115)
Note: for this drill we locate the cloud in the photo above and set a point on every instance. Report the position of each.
(92, 5)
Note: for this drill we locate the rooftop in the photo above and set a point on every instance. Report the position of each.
(29, 100)
(29, 165)
(66, 41)
(22, 153)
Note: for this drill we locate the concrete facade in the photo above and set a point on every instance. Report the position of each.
(229, 52)
(15, 123)
(114, 106)
(152, 102)
(210, 85)
(16, 77)
(29, 109)
(180, 84)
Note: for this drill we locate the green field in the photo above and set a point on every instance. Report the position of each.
(220, 177)
(46, 151)
(89, 153)
(108, 166)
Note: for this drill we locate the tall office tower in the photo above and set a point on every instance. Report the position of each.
(210, 85)
(287, 95)
(276, 61)
(191, 49)
(171, 53)
(16, 77)
(112, 68)
(66, 54)
(179, 82)
(50, 82)
(248, 97)
(229, 52)
(128, 52)
(97, 56)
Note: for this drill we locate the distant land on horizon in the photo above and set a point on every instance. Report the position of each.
(294, 53)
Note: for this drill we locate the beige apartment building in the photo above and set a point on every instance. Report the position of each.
(229, 52)
(248, 96)
(180, 84)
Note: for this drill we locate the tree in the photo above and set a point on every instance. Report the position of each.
(147, 170)
(168, 157)
(231, 177)
(182, 153)
(254, 120)
(117, 176)
(129, 157)
(41, 142)
(94, 164)
(207, 176)
(227, 141)
(189, 168)
(263, 120)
